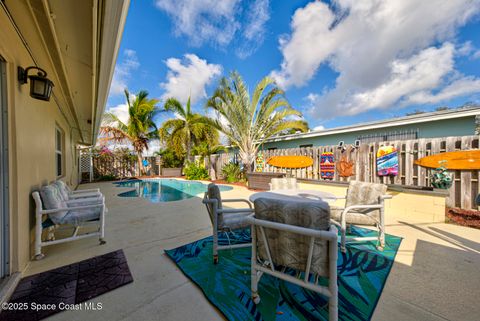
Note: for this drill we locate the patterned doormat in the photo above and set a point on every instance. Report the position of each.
(65, 288)
(362, 273)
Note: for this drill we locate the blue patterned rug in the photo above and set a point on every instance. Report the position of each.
(362, 273)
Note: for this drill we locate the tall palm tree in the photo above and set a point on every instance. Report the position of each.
(140, 127)
(248, 121)
(186, 129)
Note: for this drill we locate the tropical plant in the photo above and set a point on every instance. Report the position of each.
(140, 127)
(232, 172)
(195, 171)
(186, 129)
(170, 158)
(205, 150)
(247, 121)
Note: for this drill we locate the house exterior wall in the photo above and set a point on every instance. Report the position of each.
(32, 126)
(463, 126)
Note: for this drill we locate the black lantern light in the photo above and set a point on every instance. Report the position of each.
(40, 85)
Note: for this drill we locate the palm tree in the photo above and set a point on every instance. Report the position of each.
(205, 150)
(140, 127)
(187, 128)
(248, 121)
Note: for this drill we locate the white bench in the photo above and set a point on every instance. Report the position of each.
(80, 211)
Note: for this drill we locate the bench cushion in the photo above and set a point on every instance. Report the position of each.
(52, 200)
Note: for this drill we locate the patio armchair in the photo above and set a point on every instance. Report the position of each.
(76, 214)
(225, 219)
(364, 205)
(298, 235)
(283, 183)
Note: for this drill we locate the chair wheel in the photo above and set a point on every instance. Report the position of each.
(215, 259)
(40, 256)
(102, 241)
(256, 299)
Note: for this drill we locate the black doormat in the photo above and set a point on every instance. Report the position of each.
(67, 287)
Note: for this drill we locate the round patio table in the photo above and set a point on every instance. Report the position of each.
(295, 194)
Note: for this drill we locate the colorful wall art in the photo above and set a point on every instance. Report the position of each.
(327, 165)
(387, 161)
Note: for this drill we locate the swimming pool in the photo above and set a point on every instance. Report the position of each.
(165, 190)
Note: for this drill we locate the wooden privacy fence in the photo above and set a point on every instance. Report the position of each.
(115, 166)
(462, 193)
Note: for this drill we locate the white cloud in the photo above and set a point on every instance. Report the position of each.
(319, 128)
(219, 22)
(382, 50)
(189, 78)
(121, 111)
(123, 71)
(254, 32)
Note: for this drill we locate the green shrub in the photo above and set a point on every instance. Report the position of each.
(170, 159)
(194, 171)
(107, 177)
(232, 173)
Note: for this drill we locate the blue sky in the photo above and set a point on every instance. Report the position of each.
(340, 62)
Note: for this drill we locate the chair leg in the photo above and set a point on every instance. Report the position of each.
(253, 272)
(343, 240)
(38, 238)
(215, 245)
(254, 287)
(102, 226)
(381, 238)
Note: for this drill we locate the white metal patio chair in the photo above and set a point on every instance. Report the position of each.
(364, 205)
(283, 183)
(225, 219)
(297, 235)
(76, 214)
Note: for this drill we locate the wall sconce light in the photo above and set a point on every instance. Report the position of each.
(40, 85)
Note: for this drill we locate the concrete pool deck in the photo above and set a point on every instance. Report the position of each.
(435, 275)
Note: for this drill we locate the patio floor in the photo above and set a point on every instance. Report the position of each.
(435, 275)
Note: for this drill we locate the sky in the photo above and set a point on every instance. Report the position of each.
(340, 62)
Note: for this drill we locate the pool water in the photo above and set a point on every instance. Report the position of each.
(165, 190)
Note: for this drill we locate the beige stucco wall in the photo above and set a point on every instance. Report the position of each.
(31, 135)
(409, 206)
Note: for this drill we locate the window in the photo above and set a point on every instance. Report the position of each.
(272, 148)
(389, 136)
(306, 146)
(59, 151)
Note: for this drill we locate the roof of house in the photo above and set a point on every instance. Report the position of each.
(391, 122)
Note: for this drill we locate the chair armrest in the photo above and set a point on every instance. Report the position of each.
(85, 195)
(354, 207)
(74, 208)
(330, 235)
(237, 200)
(93, 200)
(386, 197)
(91, 190)
(234, 210)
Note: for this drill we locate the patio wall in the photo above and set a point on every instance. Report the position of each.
(461, 194)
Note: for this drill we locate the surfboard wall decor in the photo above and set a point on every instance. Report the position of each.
(290, 161)
(387, 161)
(459, 160)
(327, 165)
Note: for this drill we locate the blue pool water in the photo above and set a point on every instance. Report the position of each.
(165, 190)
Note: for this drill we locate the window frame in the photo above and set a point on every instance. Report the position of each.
(59, 152)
